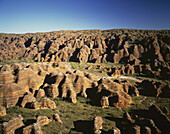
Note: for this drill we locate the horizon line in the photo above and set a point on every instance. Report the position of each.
(31, 32)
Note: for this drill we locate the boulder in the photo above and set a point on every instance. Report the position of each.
(98, 121)
(104, 102)
(44, 103)
(56, 117)
(42, 120)
(13, 124)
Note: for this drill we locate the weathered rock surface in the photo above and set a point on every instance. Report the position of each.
(42, 120)
(27, 81)
(2, 111)
(13, 124)
(98, 121)
(33, 128)
(40, 93)
(10, 93)
(44, 103)
(56, 117)
(52, 91)
(114, 92)
(125, 46)
(27, 99)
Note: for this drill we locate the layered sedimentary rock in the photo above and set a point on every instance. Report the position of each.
(2, 111)
(10, 94)
(125, 46)
(23, 81)
(40, 121)
(98, 121)
(112, 93)
(28, 98)
(44, 103)
(13, 124)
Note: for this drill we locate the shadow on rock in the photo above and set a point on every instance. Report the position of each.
(84, 126)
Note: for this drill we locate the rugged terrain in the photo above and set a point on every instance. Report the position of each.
(146, 50)
(90, 81)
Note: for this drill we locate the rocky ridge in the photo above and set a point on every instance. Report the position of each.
(135, 47)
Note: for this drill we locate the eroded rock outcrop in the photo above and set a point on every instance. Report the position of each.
(125, 46)
(44, 103)
(2, 111)
(40, 121)
(98, 121)
(113, 94)
(13, 124)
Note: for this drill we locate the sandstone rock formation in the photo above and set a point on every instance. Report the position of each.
(112, 93)
(155, 121)
(40, 121)
(56, 117)
(98, 121)
(44, 103)
(147, 47)
(2, 111)
(13, 124)
(10, 93)
(40, 93)
(28, 98)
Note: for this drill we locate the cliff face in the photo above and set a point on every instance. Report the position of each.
(119, 46)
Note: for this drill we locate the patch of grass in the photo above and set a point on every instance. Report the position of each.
(10, 62)
(77, 117)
